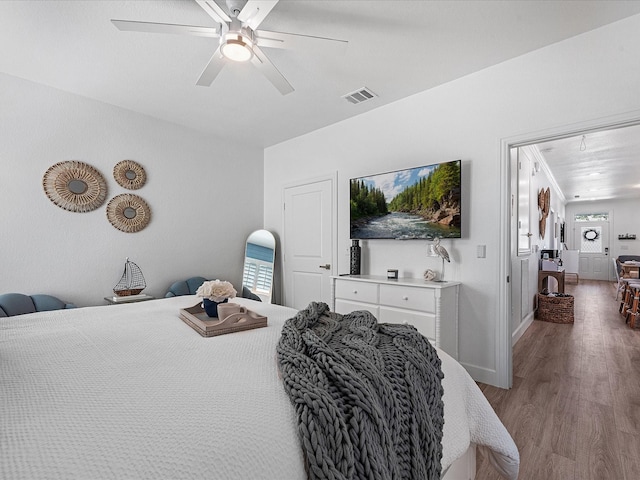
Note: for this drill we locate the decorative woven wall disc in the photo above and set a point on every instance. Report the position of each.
(129, 174)
(128, 212)
(541, 200)
(75, 186)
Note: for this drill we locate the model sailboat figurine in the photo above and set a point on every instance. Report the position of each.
(132, 281)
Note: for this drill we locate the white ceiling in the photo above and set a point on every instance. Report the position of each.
(598, 165)
(396, 48)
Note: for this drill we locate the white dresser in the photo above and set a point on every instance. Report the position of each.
(432, 307)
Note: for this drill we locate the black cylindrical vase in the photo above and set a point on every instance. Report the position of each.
(356, 254)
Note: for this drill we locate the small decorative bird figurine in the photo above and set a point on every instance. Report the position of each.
(440, 250)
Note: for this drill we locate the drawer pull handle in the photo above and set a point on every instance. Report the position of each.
(405, 298)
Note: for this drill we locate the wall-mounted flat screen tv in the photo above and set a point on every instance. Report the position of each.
(422, 202)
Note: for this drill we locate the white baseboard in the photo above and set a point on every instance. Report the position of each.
(515, 336)
(488, 376)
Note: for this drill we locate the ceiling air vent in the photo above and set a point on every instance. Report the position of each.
(359, 96)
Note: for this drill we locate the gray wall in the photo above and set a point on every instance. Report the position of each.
(205, 197)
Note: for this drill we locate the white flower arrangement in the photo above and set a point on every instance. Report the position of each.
(216, 290)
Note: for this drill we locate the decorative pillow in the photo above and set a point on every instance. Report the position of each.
(246, 293)
(44, 303)
(16, 304)
(185, 287)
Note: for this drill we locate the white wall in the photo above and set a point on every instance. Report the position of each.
(589, 77)
(205, 198)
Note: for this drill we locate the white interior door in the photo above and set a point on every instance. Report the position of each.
(308, 245)
(592, 239)
(520, 237)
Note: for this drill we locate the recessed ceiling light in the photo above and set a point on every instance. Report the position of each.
(593, 174)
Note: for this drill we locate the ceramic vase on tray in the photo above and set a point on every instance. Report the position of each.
(211, 307)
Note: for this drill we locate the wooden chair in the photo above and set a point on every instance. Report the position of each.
(624, 300)
(632, 312)
(629, 304)
(621, 283)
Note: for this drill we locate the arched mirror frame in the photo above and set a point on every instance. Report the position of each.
(259, 262)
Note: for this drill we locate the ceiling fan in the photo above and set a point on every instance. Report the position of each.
(240, 41)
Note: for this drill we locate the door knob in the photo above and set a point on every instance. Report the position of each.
(326, 266)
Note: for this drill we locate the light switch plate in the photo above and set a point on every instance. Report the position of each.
(481, 251)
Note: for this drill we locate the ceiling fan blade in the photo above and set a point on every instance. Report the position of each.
(254, 12)
(212, 69)
(214, 11)
(150, 27)
(269, 70)
(265, 38)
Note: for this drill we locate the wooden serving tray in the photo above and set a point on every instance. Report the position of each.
(206, 326)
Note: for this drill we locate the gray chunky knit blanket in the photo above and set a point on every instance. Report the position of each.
(368, 396)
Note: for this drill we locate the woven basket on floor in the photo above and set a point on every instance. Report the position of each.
(555, 309)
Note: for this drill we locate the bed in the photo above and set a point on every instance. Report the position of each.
(131, 391)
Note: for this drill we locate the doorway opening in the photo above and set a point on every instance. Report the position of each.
(606, 155)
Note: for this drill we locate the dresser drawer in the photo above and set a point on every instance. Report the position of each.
(424, 323)
(407, 300)
(401, 296)
(357, 291)
(344, 306)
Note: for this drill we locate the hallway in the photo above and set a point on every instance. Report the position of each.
(574, 409)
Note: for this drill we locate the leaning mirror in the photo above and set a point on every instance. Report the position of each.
(259, 256)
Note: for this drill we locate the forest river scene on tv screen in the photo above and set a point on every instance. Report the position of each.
(422, 202)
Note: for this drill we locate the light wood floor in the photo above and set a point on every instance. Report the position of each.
(574, 409)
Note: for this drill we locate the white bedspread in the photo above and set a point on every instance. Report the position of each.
(131, 392)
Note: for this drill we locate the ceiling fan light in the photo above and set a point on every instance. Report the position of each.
(236, 47)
